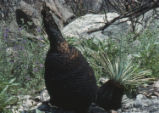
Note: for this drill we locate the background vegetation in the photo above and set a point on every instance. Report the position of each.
(22, 60)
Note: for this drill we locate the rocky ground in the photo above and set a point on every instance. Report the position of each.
(141, 104)
(146, 101)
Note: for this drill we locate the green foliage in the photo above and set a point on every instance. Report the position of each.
(122, 70)
(90, 47)
(110, 59)
(22, 58)
(148, 52)
(121, 59)
(7, 92)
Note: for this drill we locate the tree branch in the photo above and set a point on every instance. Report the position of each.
(133, 14)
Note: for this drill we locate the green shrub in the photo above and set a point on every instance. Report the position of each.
(148, 52)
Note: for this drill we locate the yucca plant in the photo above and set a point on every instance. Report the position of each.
(121, 72)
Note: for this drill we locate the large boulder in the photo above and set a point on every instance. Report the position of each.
(81, 26)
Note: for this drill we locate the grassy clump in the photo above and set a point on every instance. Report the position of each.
(8, 90)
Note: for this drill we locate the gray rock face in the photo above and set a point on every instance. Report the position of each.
(148, 20)
(82, 25)
(60, 9)
(94, 5)
(61, 14)
(26, 14)
(79, 27)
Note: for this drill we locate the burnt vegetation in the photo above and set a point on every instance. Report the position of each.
(69, 79)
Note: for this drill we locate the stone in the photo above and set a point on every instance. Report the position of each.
(103, 80)
(156, 84)
(140, 97)
(147, 20)
(62, 13)
(79, 28)
(141, 104)
(44, 96)
(28, 17)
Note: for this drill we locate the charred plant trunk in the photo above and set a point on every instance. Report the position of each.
(109, 95)
(69, 79)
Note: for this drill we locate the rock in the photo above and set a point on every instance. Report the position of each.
(82, 25)
(62, 13)
(81, 7)
(116, 31)
(44, 96)
(156, 85)
(28, 17)
(140, 104)
(154, 97)
(148, 20)
(140, 97)
(26, 103)
(103, 80)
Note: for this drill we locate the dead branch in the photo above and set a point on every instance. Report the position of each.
(130, 14)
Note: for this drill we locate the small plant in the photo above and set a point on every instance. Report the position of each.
(148, 52)
(7, 92)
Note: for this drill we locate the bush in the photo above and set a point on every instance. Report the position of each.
(148, 52)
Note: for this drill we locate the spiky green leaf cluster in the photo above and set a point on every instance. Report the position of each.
(123, 70)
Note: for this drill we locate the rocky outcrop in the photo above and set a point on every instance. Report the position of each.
(27, 16)
(64, 15)
(27, 13)
(82, 25)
